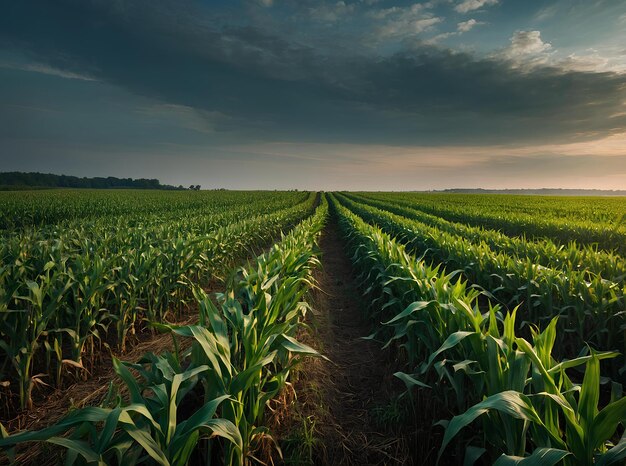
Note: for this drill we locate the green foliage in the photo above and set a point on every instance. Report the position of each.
(584, 220)
(241, 354)
(473, 358)
(23, 180)
(592, 309)
(64, 285)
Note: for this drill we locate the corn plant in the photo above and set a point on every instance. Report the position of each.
(560, 424)
(479, 366)
(241, 354)
(145, 429)
(585, 221)
(67, 283)
(586, 303)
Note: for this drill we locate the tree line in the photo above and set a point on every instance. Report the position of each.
(17, 180)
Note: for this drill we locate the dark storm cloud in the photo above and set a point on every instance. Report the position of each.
(182, 53)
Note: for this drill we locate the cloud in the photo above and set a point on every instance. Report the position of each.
(527, 42)
(408, 27)
(527, 49)
(461, 28)
(264, 87)
(470, 5)
(331, 12)
(384, 12)
(592, 61)
(466, 26)
(404, 22)
(45, 69)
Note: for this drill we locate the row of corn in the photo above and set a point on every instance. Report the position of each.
(586, 221)
(591, 309)
(20, 210)
(590, 259)
(519, 397)
(204, 405)
(64, 293)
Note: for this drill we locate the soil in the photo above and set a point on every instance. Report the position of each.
(347, 399)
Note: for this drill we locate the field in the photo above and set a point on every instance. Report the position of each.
(312, 328)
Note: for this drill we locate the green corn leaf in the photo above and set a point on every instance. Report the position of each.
(129, 380)
(605, 423)
(511, 403)
(144, 439)
(580, 361)
(142, 410)
(294, 346)
(450, 342)
(242, 381)
(79, 447)
(110, 425)
(614, 455)
(201, 416)
(589, 393)
(410, 309)
(225, 429)
(410, 381)
(173, 402)
(75, 418)
(539, 457)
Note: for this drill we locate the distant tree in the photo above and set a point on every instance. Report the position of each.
(48, 180)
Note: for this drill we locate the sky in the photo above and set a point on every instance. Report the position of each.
(315, 94)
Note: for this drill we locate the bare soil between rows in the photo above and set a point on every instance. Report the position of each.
(349, 399)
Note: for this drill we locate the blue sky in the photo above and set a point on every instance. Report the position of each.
(366, 94)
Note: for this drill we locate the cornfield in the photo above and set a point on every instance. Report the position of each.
(66, 286)
(515, 322)
(476, 357)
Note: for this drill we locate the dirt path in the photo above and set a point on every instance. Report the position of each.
(345, 397)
